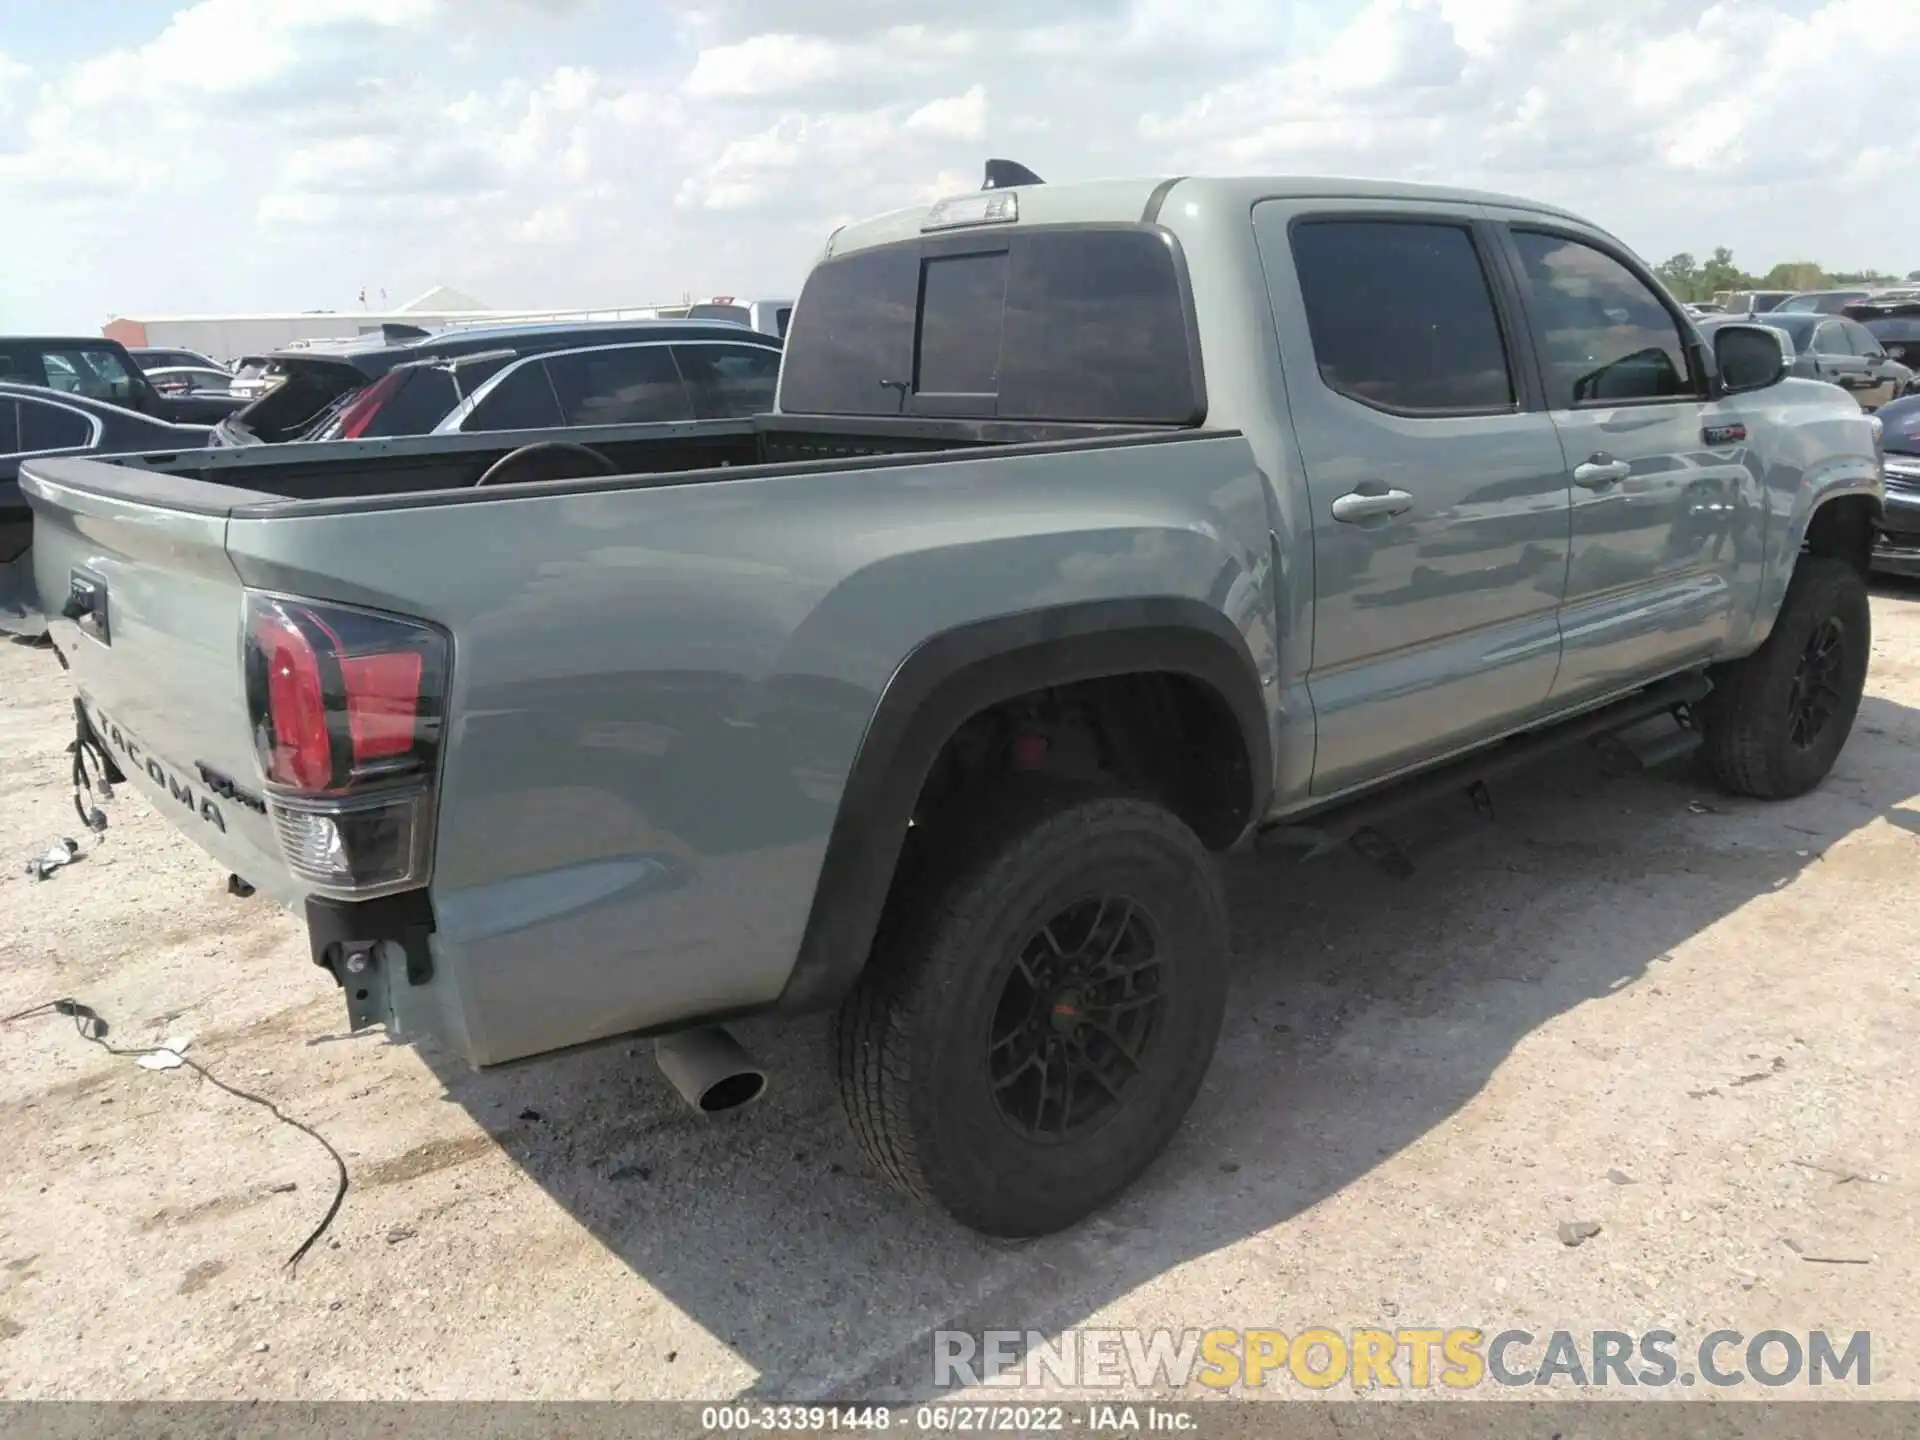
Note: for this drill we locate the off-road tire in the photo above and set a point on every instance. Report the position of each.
(1749, 745)
(911, 1041)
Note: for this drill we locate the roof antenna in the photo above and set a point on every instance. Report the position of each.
(1002, 173)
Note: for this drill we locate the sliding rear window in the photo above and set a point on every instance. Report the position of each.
(1074, 324)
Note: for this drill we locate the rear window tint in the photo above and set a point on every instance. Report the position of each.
(626, 385)
(1401, 315)
(420, 404)
(52, 427)
(963, 303)
(522, 401)
(1084, 324)
(728, 381)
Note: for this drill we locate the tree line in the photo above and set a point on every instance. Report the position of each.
(1689, 279)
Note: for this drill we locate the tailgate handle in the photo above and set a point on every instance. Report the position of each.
(87, 606)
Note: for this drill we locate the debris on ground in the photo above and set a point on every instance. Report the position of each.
(1575, 1233)
(169, 1054)
(41, 867)
(1620, 1177)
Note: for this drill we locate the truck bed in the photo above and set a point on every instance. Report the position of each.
(409, 466)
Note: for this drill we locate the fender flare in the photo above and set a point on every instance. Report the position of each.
(953, 676)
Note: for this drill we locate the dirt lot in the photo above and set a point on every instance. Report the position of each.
(1714, 1002)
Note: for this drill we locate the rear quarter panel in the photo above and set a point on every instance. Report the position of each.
(658, 691)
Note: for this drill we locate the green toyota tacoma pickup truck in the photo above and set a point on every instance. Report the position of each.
(1097, 527)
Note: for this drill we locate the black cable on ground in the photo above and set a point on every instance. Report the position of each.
(88, 1023)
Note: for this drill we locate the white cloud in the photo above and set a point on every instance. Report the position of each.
(958, 117)
(765, 65)
(566, 151)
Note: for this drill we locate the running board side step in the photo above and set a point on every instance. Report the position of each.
(1356, 823)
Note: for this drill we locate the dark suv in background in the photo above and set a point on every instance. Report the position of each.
(598, 373)
(94, 368)
(1894, 323)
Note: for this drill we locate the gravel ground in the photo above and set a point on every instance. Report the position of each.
(1691, 1020)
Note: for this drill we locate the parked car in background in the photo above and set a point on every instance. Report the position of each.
(95, 368)
(1895, 323)
(1749, 302)
(769, 317)
(37, 421)
(1835, 349)
(172, 380)
(250, 380)
(616, 371)
(150, 358)
(1820, 302)
(1897, 549)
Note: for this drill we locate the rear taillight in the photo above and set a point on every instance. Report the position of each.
(346, 708)
(359, 412)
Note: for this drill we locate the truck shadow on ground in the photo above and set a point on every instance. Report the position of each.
(1366, 1011)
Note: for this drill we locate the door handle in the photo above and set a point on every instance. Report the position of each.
(1600, 472)
(1358, 505)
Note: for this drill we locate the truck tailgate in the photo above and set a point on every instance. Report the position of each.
(153, 635)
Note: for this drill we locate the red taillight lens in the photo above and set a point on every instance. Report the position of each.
(360, 411)
(341, 698)
(383, 693)
(298, 749)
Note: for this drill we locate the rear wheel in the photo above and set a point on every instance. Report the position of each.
(1035, 1025)
(1776, 721)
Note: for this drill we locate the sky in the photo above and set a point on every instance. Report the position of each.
(238, 155)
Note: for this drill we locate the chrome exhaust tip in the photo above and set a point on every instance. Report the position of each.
(709, 1069)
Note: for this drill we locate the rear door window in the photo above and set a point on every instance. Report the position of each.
(1831, 339)
(1402, 316)
(1859, 337)
(52, 427)
(523, 400)
(624, 385)
(728, 381)
(1083, 324)
(95, 373)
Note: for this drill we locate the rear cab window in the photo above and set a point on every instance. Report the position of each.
(1084, 323)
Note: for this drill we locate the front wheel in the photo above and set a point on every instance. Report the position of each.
(1032, 1031)
(1776, 720)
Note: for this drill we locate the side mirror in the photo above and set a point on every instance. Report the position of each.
(1750, 357)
